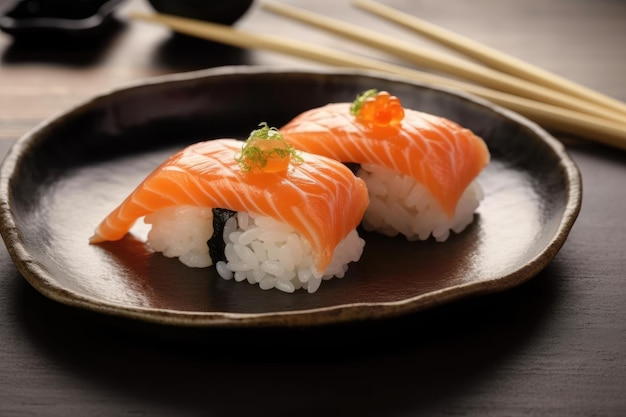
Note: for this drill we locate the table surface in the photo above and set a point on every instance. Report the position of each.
(555, 345)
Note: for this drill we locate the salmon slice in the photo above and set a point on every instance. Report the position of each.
(320, 198)
(438, 153)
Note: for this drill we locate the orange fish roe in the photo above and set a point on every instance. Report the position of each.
(378, 108)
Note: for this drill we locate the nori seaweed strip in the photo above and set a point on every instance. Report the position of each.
(353, 166)
(216, 243)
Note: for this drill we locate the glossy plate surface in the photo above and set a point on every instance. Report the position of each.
(61, 179)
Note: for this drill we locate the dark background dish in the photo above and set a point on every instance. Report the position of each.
(38, 19)
(225, 12)
(61, 180)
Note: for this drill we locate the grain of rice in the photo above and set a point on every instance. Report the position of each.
(234, 236)
(267, 283)
(313, 284)
(246, 255)
(242, 220)
(240, 276)
(284, 285)
(272, 268)
(304, 273)
(249, 235)
(230, 226)
(259, 250)
(223, 270)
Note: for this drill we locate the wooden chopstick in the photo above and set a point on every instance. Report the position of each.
(445, 63)
(490, 56)
(594, 128)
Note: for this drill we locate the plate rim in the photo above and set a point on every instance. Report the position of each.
(43, 282)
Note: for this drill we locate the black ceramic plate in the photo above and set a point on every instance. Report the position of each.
(61, 179)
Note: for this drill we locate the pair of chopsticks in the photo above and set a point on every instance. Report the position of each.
(543, 97)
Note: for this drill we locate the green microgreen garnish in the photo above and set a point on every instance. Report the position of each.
(266, 150)
(355, 108)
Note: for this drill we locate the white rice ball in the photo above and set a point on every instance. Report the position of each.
(271, 254)
(401, 205)
(183, 232)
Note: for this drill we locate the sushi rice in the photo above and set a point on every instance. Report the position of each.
(401, 205)
(259, 249)
(181, 231)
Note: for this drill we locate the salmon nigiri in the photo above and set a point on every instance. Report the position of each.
(294, 214)
(420, 169)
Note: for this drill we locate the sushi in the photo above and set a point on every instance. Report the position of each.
(421, 170)
(258, 210)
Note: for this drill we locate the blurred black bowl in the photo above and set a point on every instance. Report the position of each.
(59, 17)
(225, 12)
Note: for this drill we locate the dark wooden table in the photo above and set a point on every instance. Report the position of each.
(555, 346)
